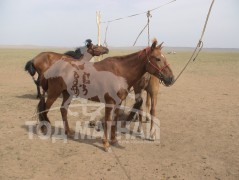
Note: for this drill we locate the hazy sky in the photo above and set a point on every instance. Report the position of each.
(68, 23)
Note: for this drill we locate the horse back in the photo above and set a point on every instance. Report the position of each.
(44, 60)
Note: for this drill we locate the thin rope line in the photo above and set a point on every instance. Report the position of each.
(140, 34)
(205, 25)
(122, 167)
(199, 45)
(185, 65)
(148, 16)
(117, 19)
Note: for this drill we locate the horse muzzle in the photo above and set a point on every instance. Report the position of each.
(167, 81)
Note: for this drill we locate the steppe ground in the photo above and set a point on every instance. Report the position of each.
(199, 127)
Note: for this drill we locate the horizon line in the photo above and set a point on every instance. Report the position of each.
(29, 46)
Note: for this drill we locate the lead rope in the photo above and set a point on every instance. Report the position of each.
(199, 46)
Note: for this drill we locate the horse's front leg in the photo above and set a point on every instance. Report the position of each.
(114, 125)
(153, 114)
(140, 121)
(107, 127)
(139, 103)
(148, 107)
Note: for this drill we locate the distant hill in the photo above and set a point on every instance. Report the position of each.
(168, 49)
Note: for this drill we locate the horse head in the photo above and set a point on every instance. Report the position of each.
(157, 64)
(95, 50)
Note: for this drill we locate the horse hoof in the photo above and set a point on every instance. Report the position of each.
(42, 128)
(92, 124)
(151, 138)
(108, 149)
(114, 142)
(147, 120)
(106, 145)
(69, 134)
(139, 132)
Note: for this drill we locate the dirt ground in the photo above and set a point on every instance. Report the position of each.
(199, 128)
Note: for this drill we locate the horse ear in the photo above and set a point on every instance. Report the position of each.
(160, 46)
(88, 43)
(155, 42)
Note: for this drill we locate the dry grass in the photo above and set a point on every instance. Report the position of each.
(198, 122)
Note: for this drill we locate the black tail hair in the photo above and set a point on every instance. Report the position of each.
(30, 68)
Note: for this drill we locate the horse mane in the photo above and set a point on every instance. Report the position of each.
(74, 54)
(77, 53)
(154, 40)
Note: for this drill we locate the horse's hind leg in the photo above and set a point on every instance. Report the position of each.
(51, 98)
(44, 107)
(64, 107)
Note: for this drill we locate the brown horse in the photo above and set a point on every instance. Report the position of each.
(107, 81)
(150, 84)
(44, 60)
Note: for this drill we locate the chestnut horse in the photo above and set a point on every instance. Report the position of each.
(150, 84)
(44, 60)
(106, 81)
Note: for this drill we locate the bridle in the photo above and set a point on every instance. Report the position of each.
(152, 64)
(156, 67)
(94, 50)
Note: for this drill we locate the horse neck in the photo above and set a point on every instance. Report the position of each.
(133, 67)
(86, 56)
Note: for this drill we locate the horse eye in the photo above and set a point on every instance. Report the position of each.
(158, 59)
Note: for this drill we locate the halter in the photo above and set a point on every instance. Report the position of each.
(94, 49)
(152, 64)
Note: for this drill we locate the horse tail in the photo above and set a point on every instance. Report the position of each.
(30, 68)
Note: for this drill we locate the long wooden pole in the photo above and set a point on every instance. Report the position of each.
(98, 21)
